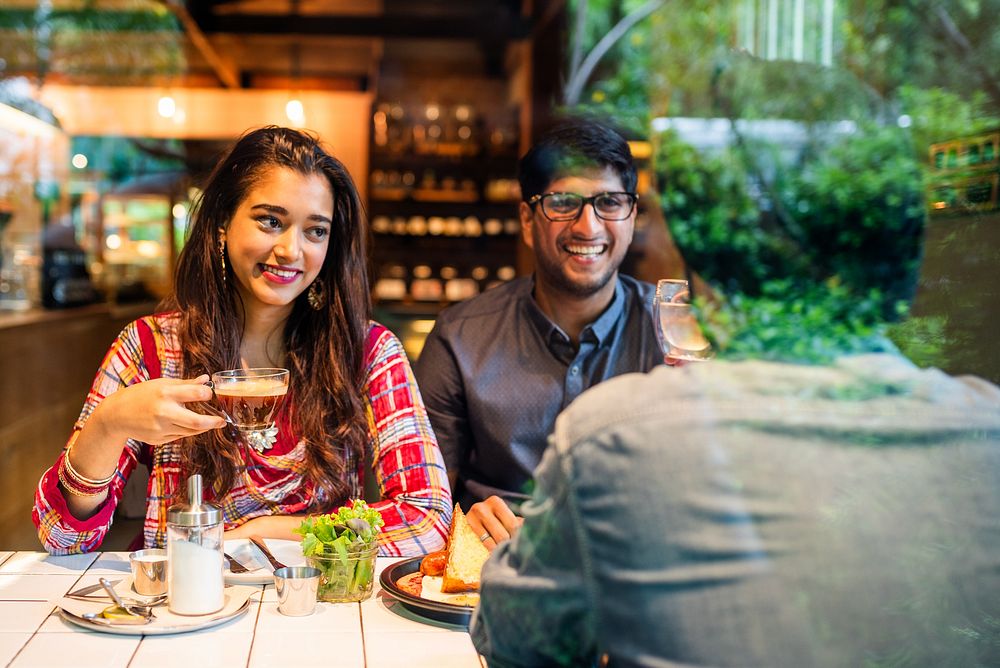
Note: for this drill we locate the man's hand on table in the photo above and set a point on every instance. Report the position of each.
(493, 521)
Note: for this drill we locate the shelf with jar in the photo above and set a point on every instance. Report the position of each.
(400, 180)
(446, 131)
(436, 280)
(449, 154)
(443, 202)
(418, 225)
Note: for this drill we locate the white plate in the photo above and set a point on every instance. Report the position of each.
(165, 622)
(288, 552)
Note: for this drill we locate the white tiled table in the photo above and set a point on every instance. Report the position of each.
(376, 633)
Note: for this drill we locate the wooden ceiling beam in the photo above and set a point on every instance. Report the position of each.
(498, 26)
(227, 74)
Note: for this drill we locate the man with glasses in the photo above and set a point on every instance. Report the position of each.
(497, 369)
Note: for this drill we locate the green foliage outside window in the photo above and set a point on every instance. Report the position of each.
(829, 234)
(825, 279)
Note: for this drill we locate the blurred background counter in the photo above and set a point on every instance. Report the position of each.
(48, 359)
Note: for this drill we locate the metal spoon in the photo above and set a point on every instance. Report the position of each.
(86, 594)
(139, 610)
(150, 602)
(99, 618)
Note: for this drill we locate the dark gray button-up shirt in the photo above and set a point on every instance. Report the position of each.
(495, 372)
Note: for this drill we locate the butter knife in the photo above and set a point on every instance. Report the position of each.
(262, 546)
(84, 593)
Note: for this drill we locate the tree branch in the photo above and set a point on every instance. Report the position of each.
(968, 53)
(579, 77)
(578, 35)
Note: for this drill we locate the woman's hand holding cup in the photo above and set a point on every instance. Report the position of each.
(156, 411)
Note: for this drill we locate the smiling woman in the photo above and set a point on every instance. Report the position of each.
(273, 274)
(278, 238)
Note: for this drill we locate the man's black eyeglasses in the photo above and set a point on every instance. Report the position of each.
(568, 206)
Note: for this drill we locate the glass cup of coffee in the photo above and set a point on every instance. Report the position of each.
(251, 398)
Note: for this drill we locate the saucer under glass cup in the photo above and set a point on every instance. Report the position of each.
(677, 327)
(250, 399)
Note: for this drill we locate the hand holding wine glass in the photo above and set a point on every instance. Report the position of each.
(680, 334)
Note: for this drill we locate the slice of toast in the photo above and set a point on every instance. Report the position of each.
(466, 556)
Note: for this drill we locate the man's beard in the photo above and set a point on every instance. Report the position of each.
(557, 279)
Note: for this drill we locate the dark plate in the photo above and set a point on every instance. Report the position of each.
(437, 610)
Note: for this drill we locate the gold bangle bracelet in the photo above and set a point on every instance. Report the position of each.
(77, 476)
(74, 490)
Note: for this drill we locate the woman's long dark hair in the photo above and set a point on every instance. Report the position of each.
(324, 348)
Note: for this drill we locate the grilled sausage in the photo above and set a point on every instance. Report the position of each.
(434, 563)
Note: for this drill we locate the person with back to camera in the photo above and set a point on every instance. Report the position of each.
(765, 510)
(497, 369)
(272, 275)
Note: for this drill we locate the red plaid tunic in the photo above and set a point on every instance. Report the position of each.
(408, 466)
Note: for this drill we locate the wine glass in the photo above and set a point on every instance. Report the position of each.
(680, 335)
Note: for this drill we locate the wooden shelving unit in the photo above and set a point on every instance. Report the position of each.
(443, 213)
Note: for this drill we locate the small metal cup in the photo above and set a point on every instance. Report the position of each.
(149, 571)
(296, 588)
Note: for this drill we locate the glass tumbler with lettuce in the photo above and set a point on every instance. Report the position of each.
(343, 546)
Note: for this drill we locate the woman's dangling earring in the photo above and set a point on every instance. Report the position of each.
(222, 253)
(315, 295)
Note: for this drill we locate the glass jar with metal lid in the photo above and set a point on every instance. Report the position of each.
(194, 554)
